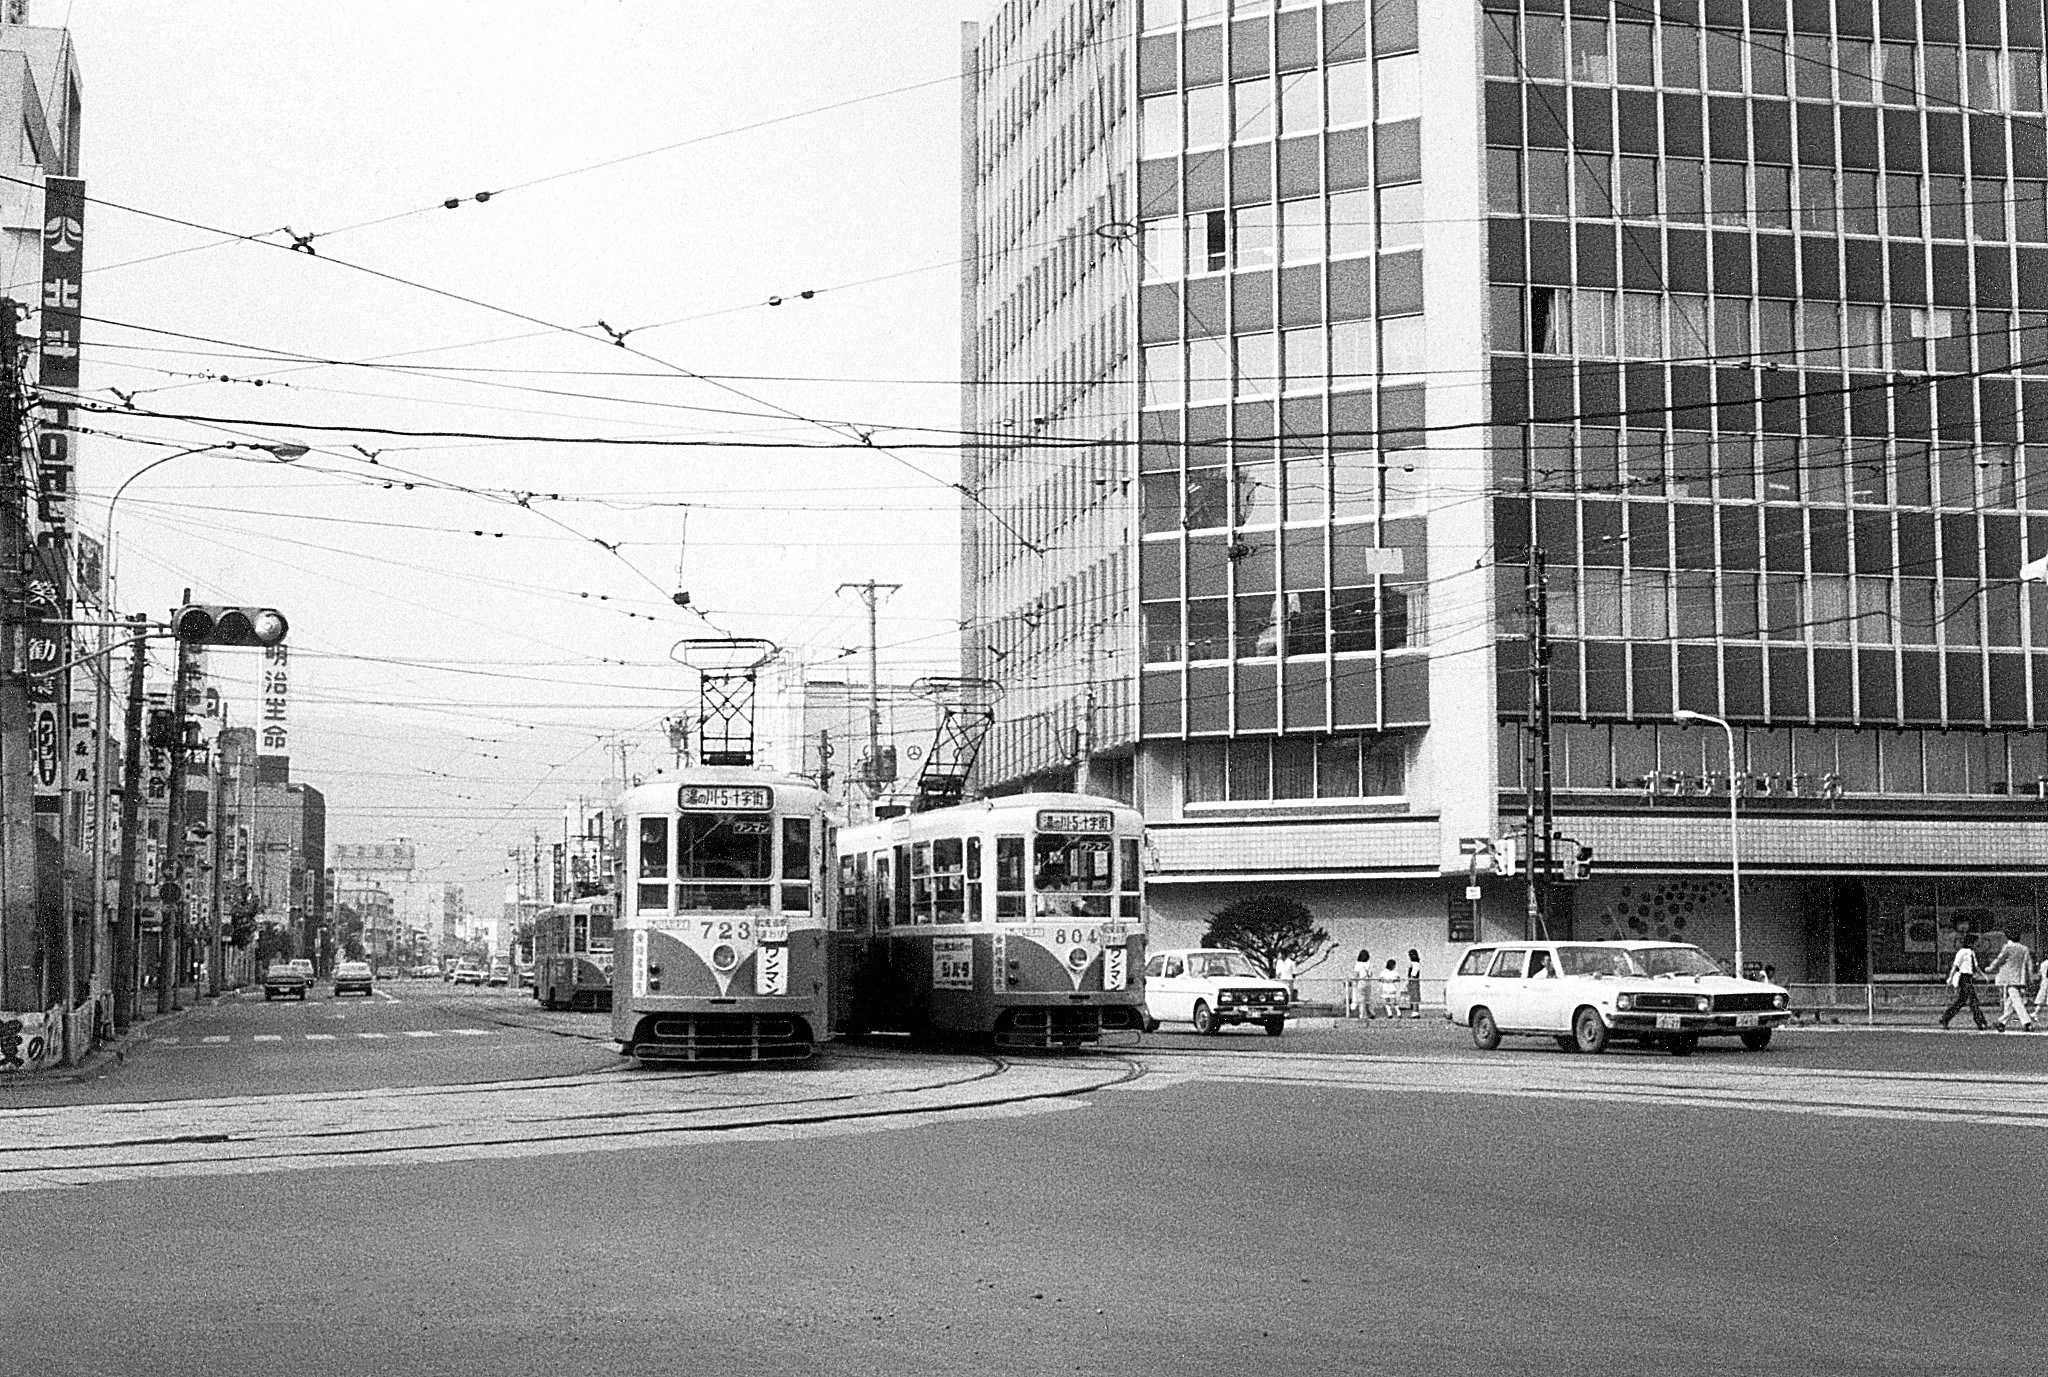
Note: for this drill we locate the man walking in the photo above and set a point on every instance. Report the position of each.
(1962, 978)
(2010, 969)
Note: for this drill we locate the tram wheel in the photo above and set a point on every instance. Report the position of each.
(1204, 1020)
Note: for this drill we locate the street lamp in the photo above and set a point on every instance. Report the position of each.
(284, 452)
(1734, 850)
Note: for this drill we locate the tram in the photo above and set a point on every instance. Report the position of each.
(572, 955)
(724, 906)
(1015, 920)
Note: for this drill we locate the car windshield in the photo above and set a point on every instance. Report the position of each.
(1222, 963)
(1675, 961)
(284, 970)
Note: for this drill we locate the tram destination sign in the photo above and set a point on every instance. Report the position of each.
(1072, 820)
(724, 798)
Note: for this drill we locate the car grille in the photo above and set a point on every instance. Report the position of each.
(1745, 1003)
(1667, 1003)
(1255, 996)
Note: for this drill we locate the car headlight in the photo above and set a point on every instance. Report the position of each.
(1778, 1001)
(1624, 1001)
(1703, 1004)
(1226, 998)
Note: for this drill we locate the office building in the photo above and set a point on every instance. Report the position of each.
(1754, 297)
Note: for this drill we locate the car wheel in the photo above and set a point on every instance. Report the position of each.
(1684, 1045)
(1148, 1023)
(1485, 1032)
(268, 996)
(1589, 1034)
(1567, 1043)
(1756, 1039)
(1275, 1027)
(1205, 1021)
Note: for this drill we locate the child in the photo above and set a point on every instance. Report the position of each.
(1390, 990)
(2041, 993)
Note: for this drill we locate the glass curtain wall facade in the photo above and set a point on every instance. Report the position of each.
(1283, 552)
(1046, 289)
(1770, 329)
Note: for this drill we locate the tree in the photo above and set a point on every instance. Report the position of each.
(1267, 927)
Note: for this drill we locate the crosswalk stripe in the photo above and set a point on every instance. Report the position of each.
(471, 1032)
(319, 1037)
(373, 1035)
(420, 1033)
(268, 1037)
(160, 1038)
(216, 1038)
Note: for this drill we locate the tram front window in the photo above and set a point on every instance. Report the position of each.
(796, 865)
(1072, 876)
(724, 861)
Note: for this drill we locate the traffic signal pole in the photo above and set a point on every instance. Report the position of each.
(173, 911)
(1536, 796)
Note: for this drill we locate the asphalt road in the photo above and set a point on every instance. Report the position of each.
(1341, 1200)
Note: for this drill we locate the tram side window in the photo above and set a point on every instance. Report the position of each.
(1127, 859)
(902, 902)
(653, 865)
(921, 882)
(1009, 877)
(949, 887)
(796, 865)
(974, 913)
(601, 929)
(580, 939)
(884, 892)
(853, 891)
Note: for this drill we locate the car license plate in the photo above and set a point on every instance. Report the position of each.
(1745, 1020)
(1670, 1021)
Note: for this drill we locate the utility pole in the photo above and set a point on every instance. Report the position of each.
(1084, 753)
(127, 933)
(824, 760)
(871, 593)
(1536, 800)
(216, 818)
(174, 910)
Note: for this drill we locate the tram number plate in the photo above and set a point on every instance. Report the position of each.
(1115, 968)
(1670, 1021)
(953, 963)
(771, 970)
(1746, 1020)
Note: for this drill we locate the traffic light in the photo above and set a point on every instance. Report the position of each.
(208, 624)
(1581, 863)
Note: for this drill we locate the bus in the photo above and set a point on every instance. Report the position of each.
(572, 955)
(723, 911)
(1017, 921)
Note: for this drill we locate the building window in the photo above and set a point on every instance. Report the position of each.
(1350, 86)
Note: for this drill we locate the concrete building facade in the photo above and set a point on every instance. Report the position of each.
(1733, 311)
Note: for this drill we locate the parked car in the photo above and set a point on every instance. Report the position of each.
(500, 975)
(1210, 987)
(353, 976)
(1584, 994)
(466, 974)
(428, 971)
(527, 979)
(284, 980)
(303, 965)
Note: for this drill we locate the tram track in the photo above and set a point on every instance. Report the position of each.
(302, 1132)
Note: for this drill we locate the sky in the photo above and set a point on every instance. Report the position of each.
(479, 603)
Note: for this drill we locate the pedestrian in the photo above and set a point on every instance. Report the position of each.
(1283, 971)
(2010, 969)
(1414, 983)
(2041, 994)
(1361, 985)
(1390, 990)
(1962, 978)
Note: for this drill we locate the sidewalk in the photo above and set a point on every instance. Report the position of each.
(148, 1022)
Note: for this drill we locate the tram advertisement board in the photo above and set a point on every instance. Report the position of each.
(1075, 820)
(724, 798)
(953, 963)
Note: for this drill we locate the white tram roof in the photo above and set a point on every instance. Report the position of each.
(934, 820)
(658, 794)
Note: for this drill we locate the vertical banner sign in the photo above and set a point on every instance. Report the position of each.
(43, 655)
(272, 740)
(57, 372)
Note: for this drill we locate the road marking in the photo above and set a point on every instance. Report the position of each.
(373, 1035)
(216, 1038)
(420, 1033)
(268, 1037)
(319, 1037)
(392, 997)
(470, 1032)
(161, 1038)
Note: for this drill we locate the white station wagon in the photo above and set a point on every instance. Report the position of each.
(1209, 987)
(1582, 994)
